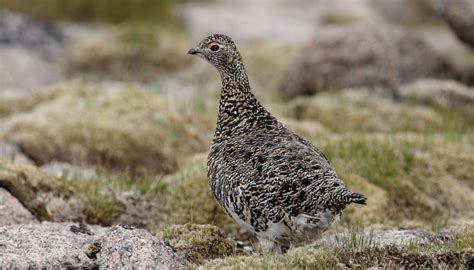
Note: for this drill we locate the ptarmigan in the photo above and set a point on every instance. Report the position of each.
(271, 181)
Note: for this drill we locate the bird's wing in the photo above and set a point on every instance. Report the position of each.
(283, 174)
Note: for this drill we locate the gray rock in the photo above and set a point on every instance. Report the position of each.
(29, 50)
(12, 211)
(19, 30)
(22, 69)
(47, 245)
(125, 249)
(67, 245)
(292, 21)
(363, 55)
(11, 152)
(459, 15)
(68, 171)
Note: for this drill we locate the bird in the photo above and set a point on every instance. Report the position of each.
(272, 182)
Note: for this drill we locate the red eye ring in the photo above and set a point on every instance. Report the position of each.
(214, 46)
(214, 43)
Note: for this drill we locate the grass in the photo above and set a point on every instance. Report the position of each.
(188, 199)
(104, 192)
(199, 242)
(361, 111)
(89, 10)
(90, 124)
(340, 17)
(412, 158)
(356, 250)
(137, 52)
(413, 174)
(383, 164)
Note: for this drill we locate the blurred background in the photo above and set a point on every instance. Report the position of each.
(99, 100)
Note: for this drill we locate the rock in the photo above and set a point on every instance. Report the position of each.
(22, 69)
(29, 50)
(363, 55)
(47, 245)
(126, 249)
(398, 238)
(250, 20)
(41, 194)
(11, 152)
(12, 211)
(447, 94)
(459, 15)
(29, 33)
(68, 171)
(67, 245)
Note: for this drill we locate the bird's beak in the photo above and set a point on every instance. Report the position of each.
(194, 51)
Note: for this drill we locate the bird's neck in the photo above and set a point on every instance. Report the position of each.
(239, 109)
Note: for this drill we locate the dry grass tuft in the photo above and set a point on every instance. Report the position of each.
(449, 95)
(359, 110)
(119, 128)
(339, 17)
(199, 242)
(425, 178)
(42, 195)
(132, 52)
(357, 252)
(188, 199)
(90, 10)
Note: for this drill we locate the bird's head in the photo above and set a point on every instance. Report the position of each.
(220, 51)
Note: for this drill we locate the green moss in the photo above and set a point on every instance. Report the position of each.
(119, 128)
(199, 242)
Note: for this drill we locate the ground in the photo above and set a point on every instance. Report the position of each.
(121, 135)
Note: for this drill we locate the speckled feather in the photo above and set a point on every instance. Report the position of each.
(271, 181)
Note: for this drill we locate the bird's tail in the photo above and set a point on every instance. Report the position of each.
(357, 198)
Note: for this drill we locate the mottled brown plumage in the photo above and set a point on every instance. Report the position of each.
(271, 181)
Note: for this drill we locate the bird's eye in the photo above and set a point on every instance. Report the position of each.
(215, 48)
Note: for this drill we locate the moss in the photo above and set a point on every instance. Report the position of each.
(340, 17)
(452, 100)
(199, 242)
(104, 194)
(119, 128)
(188, 199)
(359, 252)
(42, 195)
(359, 110)
(133, 52)
(89, 10)
(294, 259)
(423, 177)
